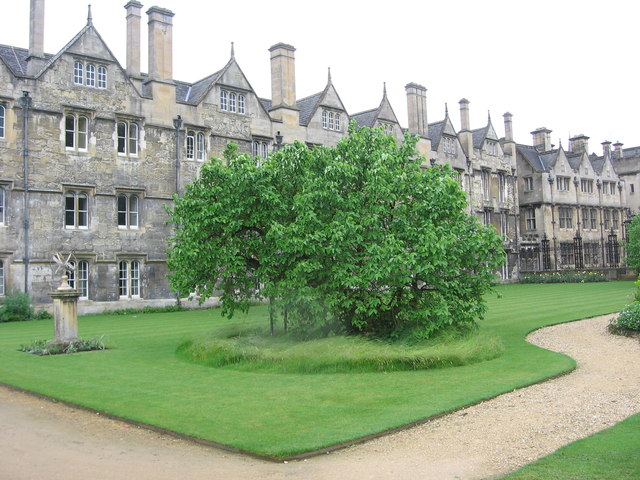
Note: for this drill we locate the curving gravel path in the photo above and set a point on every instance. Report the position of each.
(42, 439)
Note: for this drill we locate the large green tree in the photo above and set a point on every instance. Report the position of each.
(357, 237)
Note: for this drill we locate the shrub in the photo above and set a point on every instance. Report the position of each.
(44, 347)
(16, 308)
(147, 309)
(42, 315)
(563, 277)
(629, 319)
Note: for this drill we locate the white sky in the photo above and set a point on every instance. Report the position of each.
(567, 65)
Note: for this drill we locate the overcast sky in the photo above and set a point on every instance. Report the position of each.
(568, 65)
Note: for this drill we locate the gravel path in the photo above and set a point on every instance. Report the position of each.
(42, 439)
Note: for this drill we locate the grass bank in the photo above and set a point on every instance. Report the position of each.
(277, 414)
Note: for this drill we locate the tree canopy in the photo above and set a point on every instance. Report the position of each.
(633, 242)
(356, 238)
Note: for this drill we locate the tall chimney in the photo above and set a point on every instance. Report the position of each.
(133, 37)
(35, 60)
(509, 143)
(606, 149)
(618, 149)
(542, 139)
(417, 109)
(579, 144)
(465, 135)
(283, 75)
(160, 44)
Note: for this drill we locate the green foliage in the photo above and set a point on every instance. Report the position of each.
(633, 242)
(147, 309)
(45, 347)
(16, 308)
(255, 350)
(355, 238)
(43, 315)
(628, 319)
(563, 277)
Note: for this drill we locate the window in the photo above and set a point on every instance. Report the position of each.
(594, 219)
(2, 277)
(86, 74)
(128, 210)
(76, 132)
(486, 217)
(606, 218)
(102, 77)
(585, 218)
(78, 73)
(631, 188)
(449, 145)
(566, 253)
(589, 219)
(502, 187)
(325, 119)
(586, 186)
(528, 184)
(612, 188)
(590, 252)
(2, 119)
(81, 273)
(563, 183)
(615, 219)
(191, 144)
(129, 279)
(504, 225)
(387, 128)
(232, 102)
(196, 145)
(127, 138)
(76, 209)
(486, 184)
(337, 124)
(91, 75)
(491, 147)
(566, 217)
(530, 219)
(200, 150)
(3, 203)
(260, 149)
(331, 121)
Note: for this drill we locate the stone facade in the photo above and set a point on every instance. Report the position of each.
(92, 153)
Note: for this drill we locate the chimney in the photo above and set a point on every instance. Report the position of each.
(542, 139)
(465, 135)
(618, 149)
(417, 109)
(606, 149)
(133, 37)
(35, 60)
(579, 144)
(160, 44)
(283, 84)
(509, 143)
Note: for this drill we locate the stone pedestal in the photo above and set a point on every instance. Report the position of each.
(65, 313)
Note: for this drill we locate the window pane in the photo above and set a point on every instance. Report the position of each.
(2, 113)
(190, 144)
(241, 104)
(123, 279)
(83, 123)
(91, 75)
(324, 119)
(70, 210)
(82, 273)
(2, 203)
(77, 73)
(71, 276)
(122, 136)
(200, 146)
(223, 100)
(133, 211)
(70, 131)
(337, 121)
(330, 120)
(1, 277)
(122, 210)
(83, 210)
(133, 139)
(135, 278)
(102, 77)
(232, 102)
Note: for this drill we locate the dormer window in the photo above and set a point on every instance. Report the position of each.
(85, 74)
(491, 147)
(331, 120)
(232, 102)
(387, 128)
(449, 145)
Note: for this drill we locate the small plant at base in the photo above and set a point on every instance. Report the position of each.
(628, 321)
(44, 347)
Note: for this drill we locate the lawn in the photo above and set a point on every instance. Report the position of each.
(275, 414)
(612, 453)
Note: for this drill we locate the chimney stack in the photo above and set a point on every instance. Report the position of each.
(579, 144)
(283, 85)
(160, 44)
(542, 139)
(606, 149)
(465, 124)
(618, 149)
(465, 135)
(35, 60)
(133, 37)
(509, 143)
(417, 109)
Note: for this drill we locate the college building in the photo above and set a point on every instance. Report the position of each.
(92, 152)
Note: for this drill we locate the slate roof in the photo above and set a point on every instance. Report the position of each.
(307, 106)
(533, 157)
(16, 59)
(435, 133)
(365, 119)
(598, 164)
(266, 103)
(574, 159)
(479, 135)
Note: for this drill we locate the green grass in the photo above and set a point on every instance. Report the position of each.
(141, 378)
(256, 350)
(612, 453)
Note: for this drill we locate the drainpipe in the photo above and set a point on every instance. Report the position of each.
(26, 102)
(177, 124)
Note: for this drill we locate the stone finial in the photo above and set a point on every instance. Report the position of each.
(89, 16)
(233, 53)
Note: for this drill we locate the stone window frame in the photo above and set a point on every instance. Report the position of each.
(332, 120)
(233, 101)
(449, 145)
(3, 276)
(83, 278)
(528, 183)
(3, 203)
(563, 183)
(81, 216)
(89, 73)
(3, 119)
(128, 217)
(586, 185)
(260, 147)
(124, 140)
(130, 268)
(530, 218)
(196, 144)
(491, 147)
(75, 139)
(565, 217)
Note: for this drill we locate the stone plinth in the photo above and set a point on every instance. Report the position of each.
(65, 313)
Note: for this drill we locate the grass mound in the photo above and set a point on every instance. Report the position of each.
(256, 350)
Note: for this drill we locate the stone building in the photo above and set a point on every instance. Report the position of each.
(572, 205)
